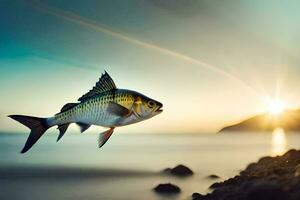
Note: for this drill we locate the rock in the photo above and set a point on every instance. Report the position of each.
(196, 196)
(179, 170)
(168, 170)
(271, 178)
(266, 191)
(215, 185)
(167, 188)
(213, 176)
(296, 195)
(297, 170)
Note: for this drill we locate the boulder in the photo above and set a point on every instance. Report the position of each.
(179, 170)
(167, 188)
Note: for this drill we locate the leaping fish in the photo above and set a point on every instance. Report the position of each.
(104, 105)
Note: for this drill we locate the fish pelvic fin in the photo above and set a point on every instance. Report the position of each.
(38, 127)
(83, 126)
(62, 129)
(104, 136)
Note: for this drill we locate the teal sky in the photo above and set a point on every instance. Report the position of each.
(210, 62)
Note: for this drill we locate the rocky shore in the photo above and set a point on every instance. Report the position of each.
(271, 178)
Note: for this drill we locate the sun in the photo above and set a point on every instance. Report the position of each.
(276, 107)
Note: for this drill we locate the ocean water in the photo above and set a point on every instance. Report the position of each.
(129, 166)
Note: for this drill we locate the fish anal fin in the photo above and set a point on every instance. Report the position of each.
(104, 84)
(68, 106)
(117, 109)
(83, 126)
(103, 137)
(62, 129)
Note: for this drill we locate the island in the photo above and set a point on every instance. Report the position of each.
(289, 120)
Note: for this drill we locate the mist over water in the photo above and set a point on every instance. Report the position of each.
(129, 165)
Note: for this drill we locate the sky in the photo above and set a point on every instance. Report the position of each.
(211, 63)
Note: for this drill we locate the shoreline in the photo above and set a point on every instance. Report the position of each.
(270, 178)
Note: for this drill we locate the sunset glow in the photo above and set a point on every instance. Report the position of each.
(278, 142)
(223, 74)
(275, 107)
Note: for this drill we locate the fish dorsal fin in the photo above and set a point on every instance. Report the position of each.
(104, 84)
(68, 106)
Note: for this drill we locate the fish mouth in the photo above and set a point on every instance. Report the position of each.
(159, 108)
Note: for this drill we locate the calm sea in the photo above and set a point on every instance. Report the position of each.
(129, 165)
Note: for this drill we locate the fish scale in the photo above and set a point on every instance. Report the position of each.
(89, 113)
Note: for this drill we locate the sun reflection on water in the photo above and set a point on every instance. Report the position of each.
(278, 142)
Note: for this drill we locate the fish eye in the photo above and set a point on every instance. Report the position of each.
(151, 104)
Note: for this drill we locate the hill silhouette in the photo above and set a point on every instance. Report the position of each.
(289, 120)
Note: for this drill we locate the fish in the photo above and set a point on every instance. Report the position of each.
(104, 105)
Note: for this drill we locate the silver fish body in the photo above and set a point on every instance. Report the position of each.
(95, 110)
(104, 105)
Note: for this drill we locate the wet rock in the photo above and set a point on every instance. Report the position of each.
(179, 170)
(167, 188)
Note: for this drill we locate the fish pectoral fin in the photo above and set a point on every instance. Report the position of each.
(103, 137)
(117, 109)
(62, 129)
(83, 126)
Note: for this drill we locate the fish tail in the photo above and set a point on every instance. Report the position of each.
(38, 127)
